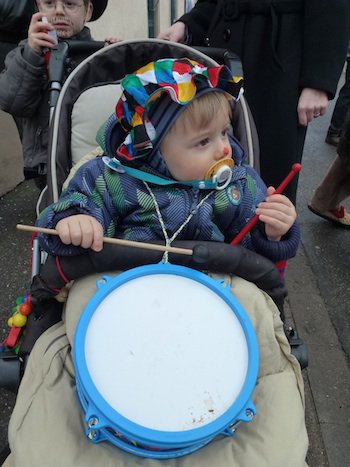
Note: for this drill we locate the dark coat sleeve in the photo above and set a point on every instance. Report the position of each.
(15, 15)
(326, 38)
(198, 20)
(22, 82)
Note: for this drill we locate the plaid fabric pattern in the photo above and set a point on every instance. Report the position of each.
(181, 79)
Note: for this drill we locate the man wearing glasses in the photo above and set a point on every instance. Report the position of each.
(23, 84)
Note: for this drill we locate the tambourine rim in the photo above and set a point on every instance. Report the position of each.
(132, 429)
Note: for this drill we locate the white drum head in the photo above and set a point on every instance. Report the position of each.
(166, 352)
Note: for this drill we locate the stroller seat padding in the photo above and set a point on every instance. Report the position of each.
(90, 110)
(48, 422)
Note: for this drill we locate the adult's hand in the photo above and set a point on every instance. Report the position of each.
(312, 104)
(176, 33)
(112, 40)
(38, 37)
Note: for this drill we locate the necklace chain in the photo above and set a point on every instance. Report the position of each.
(168, 240)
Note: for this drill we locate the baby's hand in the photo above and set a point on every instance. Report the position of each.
(38, 37)
(278, 214)
(81, 230)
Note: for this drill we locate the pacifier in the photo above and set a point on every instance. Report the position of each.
(221, 172)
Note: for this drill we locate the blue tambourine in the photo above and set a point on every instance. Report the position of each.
(166, 360)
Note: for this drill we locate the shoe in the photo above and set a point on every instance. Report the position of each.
(338, 216)
(36, 173)
(333, 140)
(40, 182)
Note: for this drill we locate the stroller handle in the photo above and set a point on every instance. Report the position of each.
(69, 48)
(82, 47)
(225, 56)
(58, 62)
(65, 49)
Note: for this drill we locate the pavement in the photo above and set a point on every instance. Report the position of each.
(327, 378)
(318, 280)
(11, 172)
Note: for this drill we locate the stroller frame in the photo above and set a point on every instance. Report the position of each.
(60, 158)
(140, 52)
(60, 161)
(83, 78)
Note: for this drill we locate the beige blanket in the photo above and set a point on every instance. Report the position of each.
(47, 425)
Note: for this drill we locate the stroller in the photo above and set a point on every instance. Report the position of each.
(48, 419)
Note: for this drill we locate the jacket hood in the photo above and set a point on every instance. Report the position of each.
(153, 98)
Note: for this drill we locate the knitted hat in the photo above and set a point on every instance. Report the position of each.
(154, 97)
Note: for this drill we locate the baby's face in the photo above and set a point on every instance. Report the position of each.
(189, 154)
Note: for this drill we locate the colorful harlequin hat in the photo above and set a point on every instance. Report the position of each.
(156, 94)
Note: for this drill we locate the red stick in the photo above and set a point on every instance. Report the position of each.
(296, 168)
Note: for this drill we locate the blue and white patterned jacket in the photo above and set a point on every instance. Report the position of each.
(124, 207)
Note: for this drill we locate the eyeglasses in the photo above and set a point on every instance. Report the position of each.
(68, 5)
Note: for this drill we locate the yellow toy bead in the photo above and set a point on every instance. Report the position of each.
(19, 320)
(10, 322)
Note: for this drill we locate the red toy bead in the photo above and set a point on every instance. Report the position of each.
(25, 309)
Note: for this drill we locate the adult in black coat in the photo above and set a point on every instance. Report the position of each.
(292, 53)
(14, 23)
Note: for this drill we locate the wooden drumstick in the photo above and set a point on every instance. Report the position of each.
(115, 241)
(296, 168)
